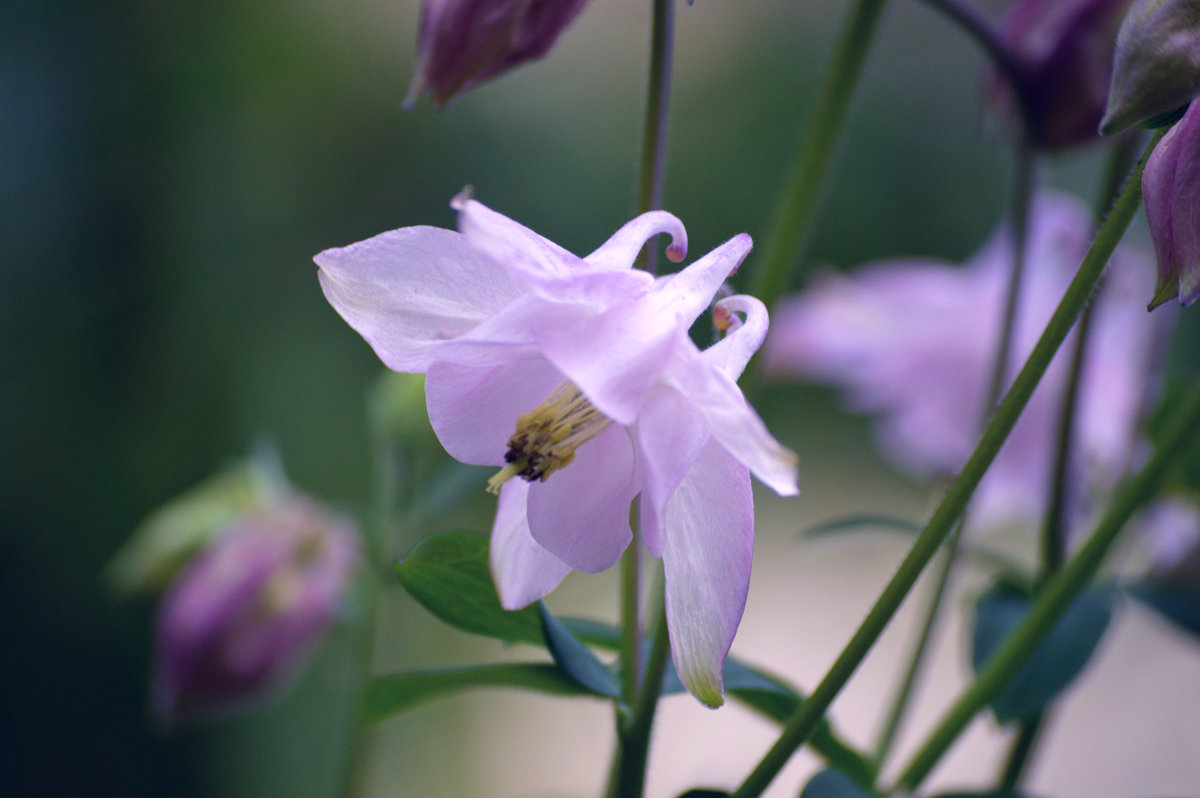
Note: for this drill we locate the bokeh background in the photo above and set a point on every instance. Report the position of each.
(167, 172)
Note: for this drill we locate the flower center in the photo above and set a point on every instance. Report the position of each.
(547, 436)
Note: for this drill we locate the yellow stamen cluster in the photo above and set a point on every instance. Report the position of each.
(547, 436)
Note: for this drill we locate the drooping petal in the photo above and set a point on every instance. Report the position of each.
(731, 420)
(620, 251)
(522, 570)
(707, 552)
(474, 408)
(742, 339)
(407, 290)
(687, 294)
(580, 513)
(669, 435)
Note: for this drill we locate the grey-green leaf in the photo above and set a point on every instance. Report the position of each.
(1058, 660)
(576, 659)
(1179, 604)
(833, 783)
(448, 574)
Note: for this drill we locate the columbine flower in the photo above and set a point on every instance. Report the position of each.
(576, 378)
(464, 42)
(1171, 190)
(248, 610)
(913, 341)
(1065, 51)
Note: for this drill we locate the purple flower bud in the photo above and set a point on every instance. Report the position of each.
(249, 609)
(1157, 67)
(464, 42)
(1171, 190)
(1065, 50)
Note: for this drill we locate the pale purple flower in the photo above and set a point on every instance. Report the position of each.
(464, 42)
(913, 341)
(1171, 527)
(577, 375)
(1171, 191)
(247, 611)
(1064, 49)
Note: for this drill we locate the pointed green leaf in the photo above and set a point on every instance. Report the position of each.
(390, 695)
(576, 659)
(834, 784)
(1059, 659)
(448, 574)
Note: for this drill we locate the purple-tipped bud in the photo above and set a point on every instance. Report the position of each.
(1064, 48)
(249, 609)
(1157, 67)
(1171, 191)
(464, 42)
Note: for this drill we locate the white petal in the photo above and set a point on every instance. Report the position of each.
(407, 290)
(687, 294)
(742, 340)
(522, 570)
(670, 434)
(474, 408)
(621, 250)
(581, 512)
(707, 554)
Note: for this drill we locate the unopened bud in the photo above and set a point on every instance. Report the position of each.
(248, 610)
(1171, 192)
(464, 42)
(1064, 49)
(1157, 65)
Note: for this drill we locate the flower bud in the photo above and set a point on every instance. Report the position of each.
(1064, 48)
(247, 611)
(464, 42)
(1171, 191)
(1157, 65)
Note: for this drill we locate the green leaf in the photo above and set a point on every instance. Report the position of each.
(700, 792)
(576, 659)
(1179, 604)
(390, 695)
(448, 574)
(993, 794)
(1058, 660)
(832, 783)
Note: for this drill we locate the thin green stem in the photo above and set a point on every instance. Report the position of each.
(1056, 597)
(631, 622)
(793, 223)
(1022, 193)
(1021, 754)
(654, 134)
(801, 725)
(628, 778)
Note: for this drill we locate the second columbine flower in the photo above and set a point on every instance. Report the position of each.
(576, 378)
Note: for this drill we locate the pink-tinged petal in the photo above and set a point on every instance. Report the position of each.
(620, 251)
(687, 294)
(580, 513)
(522, 570)
(669, 435)
(539, 265)
(474, 408)
(707, 553)
(614, 357)
(742, 338)
(724, 410)
(407, 290)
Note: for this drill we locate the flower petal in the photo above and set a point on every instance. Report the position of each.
(707, 552)
(580, 513)
(742, 339)
(407, 290)
(522, 570)
(669, 436)
(621, 250)
(731, 420)
(474, 408)
(687, 294)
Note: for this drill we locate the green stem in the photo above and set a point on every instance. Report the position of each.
(628, 778)
(654, 134)
(631, 623)
(802, 724)
(793, 222)
(1021, 753)
(1056, 597)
